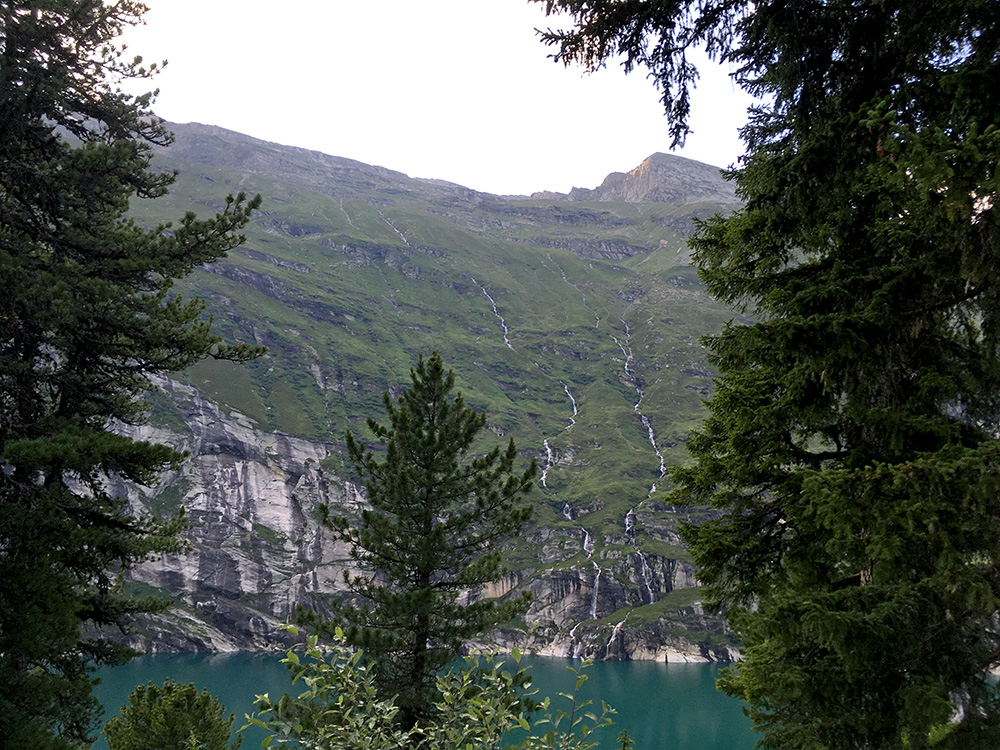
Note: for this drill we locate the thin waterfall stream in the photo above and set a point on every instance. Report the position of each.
(645, 572)
(496, 312)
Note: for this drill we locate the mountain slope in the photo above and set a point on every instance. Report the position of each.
(572, 320)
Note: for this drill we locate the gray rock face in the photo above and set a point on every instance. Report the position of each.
(257, 551)
(663, 178)
(256, 547)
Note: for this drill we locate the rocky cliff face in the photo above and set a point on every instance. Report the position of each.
(257, 552)
(256, 549)
(661, 178)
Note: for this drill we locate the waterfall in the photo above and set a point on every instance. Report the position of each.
(575, 645)
(597, 586)
(614, 634)
(347, 215)
(644, 570)
(549, 462)
(652, 442)
(647, 575)
(572, 420)
(567, 512)
(626, 350)
(496, 312)
(630, 526)
(405, 241)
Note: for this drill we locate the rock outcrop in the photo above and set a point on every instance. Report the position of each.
(257, 551)
(661, 178)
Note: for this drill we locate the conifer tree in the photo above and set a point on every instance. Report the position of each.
(431, 539)
(852, 432)
(85, 318)
(171, 716)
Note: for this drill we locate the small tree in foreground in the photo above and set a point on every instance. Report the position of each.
(430, 540)
(171, 717)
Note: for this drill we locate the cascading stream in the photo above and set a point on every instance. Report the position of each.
(652, 442)
(344, 212)
(550, 455)
(597, 587)
(575, 645)
(647, 575)
(496, 311)
(614, 634)
(626, 350)
(588, 550)
(645, 571)
(393, 226)
(549, 462)
(572, 420)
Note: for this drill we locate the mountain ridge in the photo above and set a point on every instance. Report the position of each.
(659, 178)
(573, 323)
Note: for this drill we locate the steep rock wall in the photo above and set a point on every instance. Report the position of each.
(257, 551)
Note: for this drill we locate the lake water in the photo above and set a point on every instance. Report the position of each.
(663, 707)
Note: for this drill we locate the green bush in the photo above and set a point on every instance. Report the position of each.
(482, 705)
(171, 717)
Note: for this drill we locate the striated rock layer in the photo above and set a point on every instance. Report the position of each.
(257, 551)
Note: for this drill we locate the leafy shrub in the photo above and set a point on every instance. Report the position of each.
(482, 705)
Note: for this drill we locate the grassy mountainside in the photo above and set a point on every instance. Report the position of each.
(573, 322)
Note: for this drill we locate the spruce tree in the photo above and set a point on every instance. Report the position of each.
(85, 317)
(852, 432)
(171, 716)
(439, 513)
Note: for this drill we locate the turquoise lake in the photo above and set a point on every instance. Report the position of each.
(663, 707)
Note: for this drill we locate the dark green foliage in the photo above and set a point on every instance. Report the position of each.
(439, 515)
(852, 433)
(171, 717)
(84, 320)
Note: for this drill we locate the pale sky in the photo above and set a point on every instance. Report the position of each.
(460, 90)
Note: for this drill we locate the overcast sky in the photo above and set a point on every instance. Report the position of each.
(460, 90)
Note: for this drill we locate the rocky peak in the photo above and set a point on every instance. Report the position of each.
(662, 178)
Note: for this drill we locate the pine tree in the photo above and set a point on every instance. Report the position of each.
(85, 318)
(852, 432)
(171, 717)
(431, 539)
